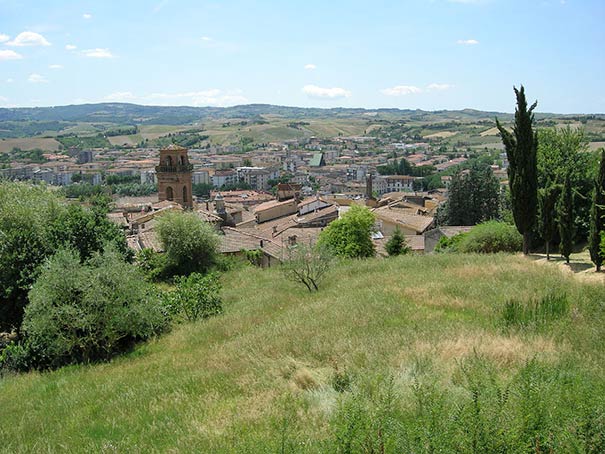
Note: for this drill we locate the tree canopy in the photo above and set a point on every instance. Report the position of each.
(190, 244)
(350, 236)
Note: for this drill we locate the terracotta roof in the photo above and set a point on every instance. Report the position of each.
(402, 217)
(271, 204)
(235, 240)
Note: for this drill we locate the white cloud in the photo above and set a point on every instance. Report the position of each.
(4, 38)
(29, 39)
(310, 66)
(438, 87)
(36, 79)
(467, 42)
(70, 47)
(401, 90)
(212, 97)
(55, 66)
(314, 91)
(97, 53)
(120, 96)
(9, 80)
(206, 38)
(9, 55)
(87, 16)
(3, 99)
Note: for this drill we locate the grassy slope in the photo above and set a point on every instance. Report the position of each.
(226, 383)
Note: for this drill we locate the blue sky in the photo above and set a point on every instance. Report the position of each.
(427, 54)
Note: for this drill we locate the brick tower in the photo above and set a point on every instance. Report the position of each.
(174, 175)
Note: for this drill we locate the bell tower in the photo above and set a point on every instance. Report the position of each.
(174, 176)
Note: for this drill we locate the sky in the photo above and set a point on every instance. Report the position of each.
(409, 54)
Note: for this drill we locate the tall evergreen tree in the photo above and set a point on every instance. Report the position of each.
(548, 198)
(521, 147)
(566, 219)
(597, 216)
(474, 197)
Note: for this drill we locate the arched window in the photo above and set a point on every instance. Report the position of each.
(169, 193)
(168, 160)
(185, 195)
(182, 160)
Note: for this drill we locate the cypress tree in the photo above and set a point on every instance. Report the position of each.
(566, 224)
(521, 148)
(548, 198)
(597, 216)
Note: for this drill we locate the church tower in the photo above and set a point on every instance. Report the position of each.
(174, 176)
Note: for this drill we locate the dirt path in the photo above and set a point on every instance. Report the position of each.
(579, 266)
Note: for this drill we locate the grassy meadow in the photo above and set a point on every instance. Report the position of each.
(441, 353)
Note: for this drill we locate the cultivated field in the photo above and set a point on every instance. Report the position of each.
(28, 144)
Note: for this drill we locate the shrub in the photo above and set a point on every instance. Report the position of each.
(196, 296)
(190, 244)
(83, 313)
(33, 225)
(450, 244)
(535, 312)
(492, 237)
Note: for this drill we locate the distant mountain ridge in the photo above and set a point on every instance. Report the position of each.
(139, 114)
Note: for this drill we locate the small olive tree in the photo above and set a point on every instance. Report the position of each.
(307, 265)
(82, 313)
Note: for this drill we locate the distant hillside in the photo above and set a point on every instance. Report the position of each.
(124, 113)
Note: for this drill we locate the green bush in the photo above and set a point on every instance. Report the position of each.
(82, 313)
(33, 225)
(196, 296)
(450, 244)
(491, 237)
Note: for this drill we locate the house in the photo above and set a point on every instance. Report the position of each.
(317, 160)
(393, 183)
(432, 237)
(236, 242)
(312, 204)
(226, 177)
(287, 191)
(390, 217)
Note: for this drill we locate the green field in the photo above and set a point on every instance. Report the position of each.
(400, 355)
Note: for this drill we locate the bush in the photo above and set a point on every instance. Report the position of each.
(397, 244)
(195, 297)
(190, 244)
(450, 244)
(33, 225)
(491, 237)
(83, 313)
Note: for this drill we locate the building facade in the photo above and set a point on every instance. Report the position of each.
(174, 175)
